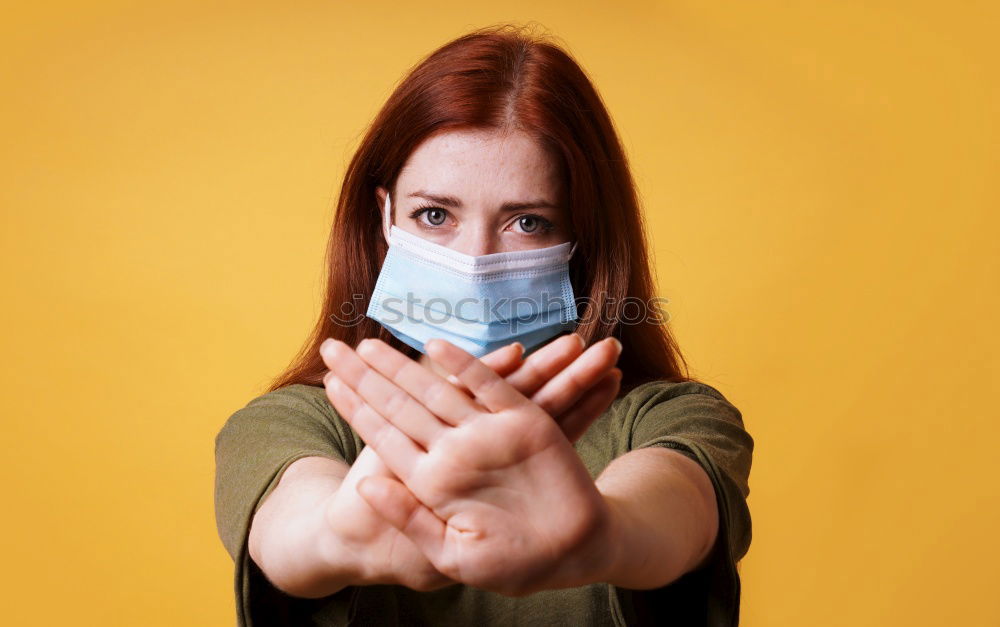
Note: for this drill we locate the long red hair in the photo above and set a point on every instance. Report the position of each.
(502, 78)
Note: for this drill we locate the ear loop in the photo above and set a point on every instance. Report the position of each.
(387, 217)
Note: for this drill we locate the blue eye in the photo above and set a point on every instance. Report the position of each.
(531, 223)
(435, 216)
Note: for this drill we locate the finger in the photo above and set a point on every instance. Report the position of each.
(545, 363)
(490, 389)
(562, 390)
(397, 505)
(436, 395)
(382, 394)
(575, 421)
(504, 361)
(399, 453)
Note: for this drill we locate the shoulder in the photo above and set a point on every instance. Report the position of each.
(661, 390)
(296, 411)
(676, 398)
(297, 416)
(689, 415)
(308, 399)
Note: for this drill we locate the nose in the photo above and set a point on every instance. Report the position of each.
(475, 240)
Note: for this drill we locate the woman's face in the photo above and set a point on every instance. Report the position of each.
(481, 192)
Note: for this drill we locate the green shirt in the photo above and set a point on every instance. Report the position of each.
(260, 440)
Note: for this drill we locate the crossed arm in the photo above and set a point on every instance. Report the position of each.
(510, 512)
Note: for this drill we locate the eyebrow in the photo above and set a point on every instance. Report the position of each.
(451, 201)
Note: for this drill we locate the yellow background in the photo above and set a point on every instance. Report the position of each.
(821, 182)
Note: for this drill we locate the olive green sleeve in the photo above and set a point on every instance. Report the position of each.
(252, 450)
(699, 422)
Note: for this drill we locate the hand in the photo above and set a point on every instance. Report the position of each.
(375, 550)
(574, 389)
(492, 491)
(580, 388)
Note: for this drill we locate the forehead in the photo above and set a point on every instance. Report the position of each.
(480, 164)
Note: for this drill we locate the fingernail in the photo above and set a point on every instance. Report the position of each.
(579, 338)
(326, 346)
(520, 347)
(618, 345)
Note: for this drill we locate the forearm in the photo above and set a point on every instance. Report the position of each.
(664, 517)
(286, 536)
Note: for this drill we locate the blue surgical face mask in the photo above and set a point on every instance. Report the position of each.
(478, 303)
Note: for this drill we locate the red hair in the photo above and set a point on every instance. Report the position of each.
(502, 78)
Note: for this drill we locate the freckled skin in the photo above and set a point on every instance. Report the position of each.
(484, 170)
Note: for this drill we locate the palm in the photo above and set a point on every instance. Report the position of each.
(491, 481)
(389, 555)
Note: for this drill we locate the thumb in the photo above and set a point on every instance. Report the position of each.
(394, 502)
(502, 361)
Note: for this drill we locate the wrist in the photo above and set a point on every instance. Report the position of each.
(613, 543)
(343, 558)
(348, 541)
(598, 558)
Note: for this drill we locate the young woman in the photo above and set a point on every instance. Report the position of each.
(490, 422)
